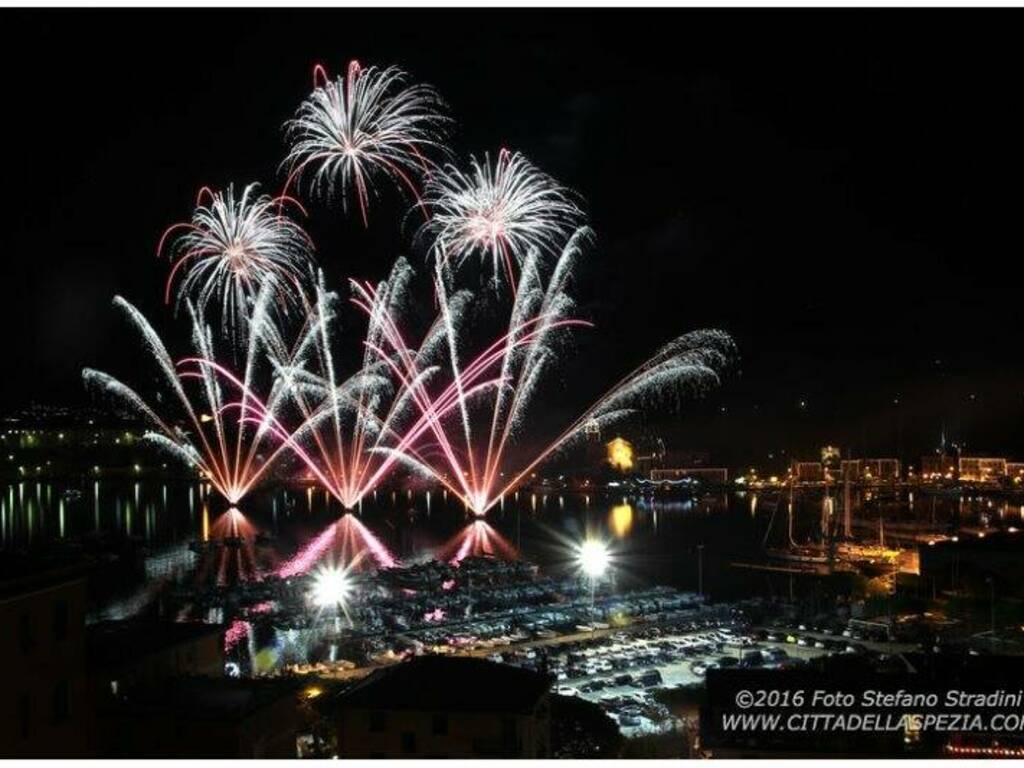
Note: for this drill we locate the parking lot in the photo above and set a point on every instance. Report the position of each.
(621, 670)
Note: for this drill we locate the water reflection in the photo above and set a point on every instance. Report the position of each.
(288, 530)
(620, 520)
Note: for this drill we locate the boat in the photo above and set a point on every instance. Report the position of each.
(798, 555)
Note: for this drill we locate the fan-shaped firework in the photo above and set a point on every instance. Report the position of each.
(353, 431)
(226, 449)
(472, 454)
(497, 212)
(232, 247)
(357, 129)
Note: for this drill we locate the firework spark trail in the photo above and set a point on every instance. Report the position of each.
(226, 451)
(473, 457)
(231, 248)
(500, 212)
(354, 431)
(368, 124)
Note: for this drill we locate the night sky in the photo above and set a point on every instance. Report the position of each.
(840, 190)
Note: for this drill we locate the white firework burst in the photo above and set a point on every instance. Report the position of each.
(360, 128)
(233, 247)
(500, 212)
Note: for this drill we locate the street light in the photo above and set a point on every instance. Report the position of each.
(593, 559)
(332, 587)
(700, 569)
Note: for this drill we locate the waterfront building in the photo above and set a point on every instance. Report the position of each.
(620, 454)
(707, 475)
(936, 466)
(982, 469)
(871, 471)
(807, 472)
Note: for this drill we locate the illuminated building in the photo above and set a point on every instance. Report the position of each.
(808, 471)
(936, 466)
(620, 454)
(871, 471)
(978, 469)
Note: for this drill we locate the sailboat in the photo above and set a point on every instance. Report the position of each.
(808, 554)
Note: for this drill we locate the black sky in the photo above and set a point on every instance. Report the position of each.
(841, 190)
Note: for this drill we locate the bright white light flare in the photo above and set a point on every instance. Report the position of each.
(593, 558)
(331, 587)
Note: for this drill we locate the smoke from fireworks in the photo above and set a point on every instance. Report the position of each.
(232, 247)
(226, 449)
(357, 129)
(498, 212)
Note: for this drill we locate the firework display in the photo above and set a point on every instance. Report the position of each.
(206, 433)
(477, 460)
(354, 430)
(358, 129)
(450, 403)
(500, 212)
(234, 245)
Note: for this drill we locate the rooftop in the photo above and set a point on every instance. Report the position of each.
(206, 698)
(448, 684)
(113, 642)
(22, 574)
